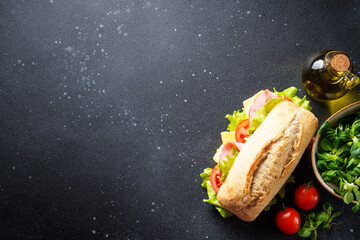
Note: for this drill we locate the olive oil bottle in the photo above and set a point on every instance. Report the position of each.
(328, 75)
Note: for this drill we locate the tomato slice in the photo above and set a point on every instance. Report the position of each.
(287, 99)
(241, 131)
(215, 179)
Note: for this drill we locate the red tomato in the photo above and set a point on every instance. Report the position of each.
(306, 197)
(287, 99)
(288, 221)
(241, 131)
(215, 179)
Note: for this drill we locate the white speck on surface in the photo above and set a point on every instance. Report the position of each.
(128, 10)
(69, 48)
(13, 168)
(106, 235)
(94, 218)
(93, 231)
(185, 100)
(193, 74)
(161, 82)
(259, 15)
(147, 5)
(101, 26)
(351, 230)
(175, 29)
(152, 210)
(51, 1)
(153, 203)
(158, 147)
(248, 12)
(126, 34)
(199, 35)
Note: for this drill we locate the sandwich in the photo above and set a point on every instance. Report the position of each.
(263, 144)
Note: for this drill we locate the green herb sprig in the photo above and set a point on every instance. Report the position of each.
(315, 220)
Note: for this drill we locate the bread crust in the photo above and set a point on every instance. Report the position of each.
(267, 159)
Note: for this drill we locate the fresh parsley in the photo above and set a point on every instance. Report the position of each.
(314, 220)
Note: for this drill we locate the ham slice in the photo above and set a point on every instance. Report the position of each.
(260, 101)
(227, 149)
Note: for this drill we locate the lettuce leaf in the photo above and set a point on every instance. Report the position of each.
(212, 194)
(291, 94)
(262, 113)
(227, 163)
(235, 119)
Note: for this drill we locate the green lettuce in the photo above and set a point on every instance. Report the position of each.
(291, 94)
(227, 164)
(212, 194)
(235, 119)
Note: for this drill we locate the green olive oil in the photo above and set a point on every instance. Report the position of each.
(328, 75)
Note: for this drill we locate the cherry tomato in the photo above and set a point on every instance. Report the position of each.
(241, 131)
(288, 221)
(306, 197)
(215, 179)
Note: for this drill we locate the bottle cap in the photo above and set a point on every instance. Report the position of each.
(340, 63)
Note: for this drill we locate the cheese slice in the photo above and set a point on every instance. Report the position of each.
(248, 102)
(216, 157)
(227, 137)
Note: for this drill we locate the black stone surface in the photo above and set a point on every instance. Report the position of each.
(110, 110)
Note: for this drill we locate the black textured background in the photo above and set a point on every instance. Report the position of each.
(110, 110)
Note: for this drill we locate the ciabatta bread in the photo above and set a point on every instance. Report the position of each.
(267, 159)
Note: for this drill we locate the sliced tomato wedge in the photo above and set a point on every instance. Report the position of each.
(215, 179)
(241, 131)
(287, 99)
